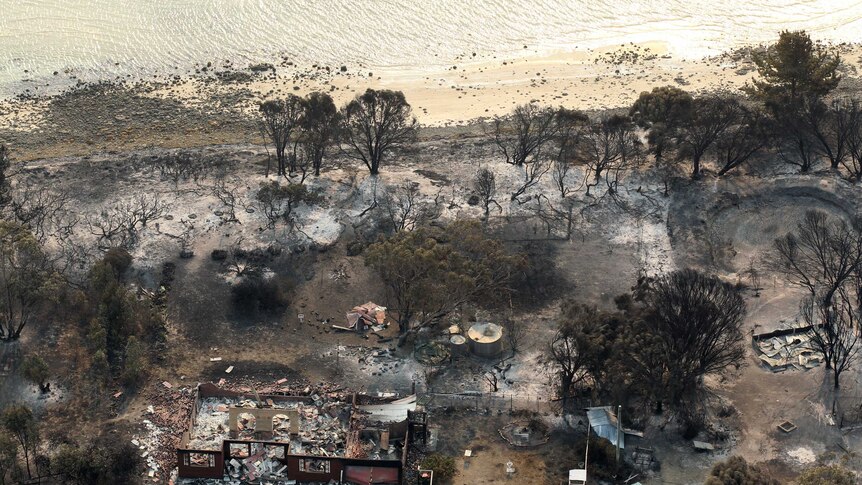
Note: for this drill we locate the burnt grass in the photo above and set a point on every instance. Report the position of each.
(251, 370)
(202, 298)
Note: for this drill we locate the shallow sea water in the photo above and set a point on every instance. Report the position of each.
(103, 39)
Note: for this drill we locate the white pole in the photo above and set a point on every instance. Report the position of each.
(587, 453)
(619, 429)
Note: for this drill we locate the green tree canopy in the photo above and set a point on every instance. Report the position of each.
(8, 456)
(26, 278)
(20, 423)
(662, 111)
(827, 475)
(432, 271)
(36, 370)
(376, 122)
(794, 67)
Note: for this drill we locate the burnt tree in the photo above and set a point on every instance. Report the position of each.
(824, 256)
(521, 136)
(280, 120)
(695, 321)
(319, 127)
(485, 186)
(374, 123)
(711, 116)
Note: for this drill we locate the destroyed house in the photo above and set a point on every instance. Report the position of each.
(330, 438)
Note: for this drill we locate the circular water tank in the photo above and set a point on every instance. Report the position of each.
(458, 344)
(486, 339)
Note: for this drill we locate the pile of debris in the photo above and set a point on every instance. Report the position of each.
(261, 464)
(168, 417)
(322, 424)
(365, 316)
(321, 430)
(432, 353)
(787, 349)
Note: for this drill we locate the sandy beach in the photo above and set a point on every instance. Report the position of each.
(611, 77)
(217, 105)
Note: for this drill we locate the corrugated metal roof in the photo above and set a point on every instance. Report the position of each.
(393, 412)
(603, 421)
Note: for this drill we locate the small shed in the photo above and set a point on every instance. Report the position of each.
(604, 423)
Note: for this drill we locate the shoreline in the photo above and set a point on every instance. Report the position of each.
(217, 106)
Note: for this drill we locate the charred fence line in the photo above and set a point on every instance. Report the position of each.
(490, 401)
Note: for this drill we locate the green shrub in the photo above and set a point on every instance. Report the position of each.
(442, 465)
(827, 475)
(36, 370)
(135, 364)
(737, 471)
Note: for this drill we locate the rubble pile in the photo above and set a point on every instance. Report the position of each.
(780, 353)
(263, 463)
(281, 387)
(433, 353)
(168, 417)
(321, 430)
(322, 425)
(211, 425)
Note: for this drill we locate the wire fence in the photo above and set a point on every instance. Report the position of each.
(494, 402)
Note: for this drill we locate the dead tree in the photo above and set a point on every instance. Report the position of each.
(851, 122)
(835, 328)
(491, 379)
(795, 140)
(303, 162)
(820, 256)
(118, 225)
(319, 127)
(738, 143)
(752, 272)
(403, 209)
(533, 172)
(279, 121)
(560, 173)
(375, 123)
(485, 186)
(239, 262)
(830, 128)
(522, 135)
(570, 126)
(824, 256)
(228, 195)
(5, 164)
(610, 147)
(515, 331)
(181, 167)
(40, 209)
(277, 202)
(552, 218)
